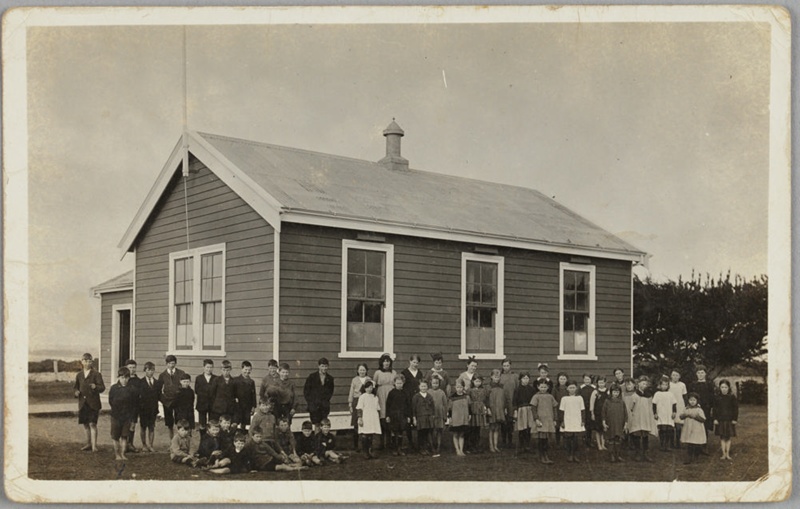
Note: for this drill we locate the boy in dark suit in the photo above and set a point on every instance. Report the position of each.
(202, 388)
(184, 401)
(149, 392)
(124, 401)
(170, 380)
(134, 382)
(244, 390)
(223, 399)
(318, 391)
(88, 386)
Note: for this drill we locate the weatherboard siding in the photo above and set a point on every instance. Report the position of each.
(427, 306)
(107, 302)
(216, 215)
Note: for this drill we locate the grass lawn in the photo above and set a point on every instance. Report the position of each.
(54, 439)
(51, 392)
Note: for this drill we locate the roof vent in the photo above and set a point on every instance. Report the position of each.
(393, 159)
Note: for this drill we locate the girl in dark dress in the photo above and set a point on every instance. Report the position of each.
(398, 413)
(726, 413)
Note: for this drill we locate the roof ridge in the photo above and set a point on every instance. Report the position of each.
(284, 147)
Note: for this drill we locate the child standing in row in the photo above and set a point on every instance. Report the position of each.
(384, 384)
(356, 389)
(678, 390)
(398, 414)
(437, 370)
(479, 396)
(244, 391)
(586, 390)
(572, 415)
(423, 411)
(88, 386)
(523, 413)
(368, 417)
(665, 410)
(615, 421)
(202, 387)
(184, 401)
(124, 400)
(223, 399)
(694, 430)
(726, 413)
(149, 391)
(642, 422)
(510, 381)
(544, 414)
(559, 391)
(440, 405)
(497, 412)
(458, 411)
(596, 402)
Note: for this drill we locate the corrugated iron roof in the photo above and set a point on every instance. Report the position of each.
(116, 284)
(324, 184)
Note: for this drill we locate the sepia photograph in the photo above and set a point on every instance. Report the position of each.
(397, 254)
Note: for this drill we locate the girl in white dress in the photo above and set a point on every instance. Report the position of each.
(369, 419)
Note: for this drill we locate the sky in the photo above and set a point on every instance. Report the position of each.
(657, 132)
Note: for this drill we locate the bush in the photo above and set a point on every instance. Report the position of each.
(752, 392)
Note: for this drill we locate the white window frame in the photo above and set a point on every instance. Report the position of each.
(591, 354)
(197, 308)
(500, 319)
(388, 314)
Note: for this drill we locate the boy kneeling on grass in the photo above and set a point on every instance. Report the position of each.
(124, 400)
(181, 449)
(264, 458)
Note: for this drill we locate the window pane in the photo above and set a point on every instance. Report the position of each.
(487, 317)
(473, 272)
(355, 312)
(488, 295)
(372, 312)
(582, 282)
(569, 323)
(580, 322)
(569, 301)
(582, 302)
(581, 342)
(356, 261)
(487, 339)
(375, 287)
(216, 293)
(179, 270)
(473, 294)
(375, 263)
(218, 265)
(569, 341)
(489, 273)
(207, 267)
(473, 339)
(207, 290)
(356, 286)
(365, 336)
(569, 280)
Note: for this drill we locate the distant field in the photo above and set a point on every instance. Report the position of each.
(50, 392)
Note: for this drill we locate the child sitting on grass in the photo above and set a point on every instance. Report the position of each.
(182, 450)
(211, 448)
(307, 445)
(263, 418)
(285, 443)
(226, 432)
(265, 458)
(124, 400)
(326, 444)
(238, 460)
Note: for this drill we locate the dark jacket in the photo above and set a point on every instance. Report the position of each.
(169, 386)
(223, 399)
(244, 390)
(318, 395)
(203, 391)
(124, 402)
(148, 396)
(89, 396)
(184, 405)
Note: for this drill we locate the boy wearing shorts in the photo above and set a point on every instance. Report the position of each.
(149, 391)
(88, 386)
(124, 399)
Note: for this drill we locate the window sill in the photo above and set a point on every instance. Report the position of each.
(196, 353)
(576, 357)
(365, 355)
(483, 356)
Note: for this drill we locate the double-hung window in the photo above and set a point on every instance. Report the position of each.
(482, 306)
(197, 301)
(577, 311)
(367, 298)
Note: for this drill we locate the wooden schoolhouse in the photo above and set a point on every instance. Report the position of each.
(250, 251)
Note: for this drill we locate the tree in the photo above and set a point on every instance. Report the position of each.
(680, 324)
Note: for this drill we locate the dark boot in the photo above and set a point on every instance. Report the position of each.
(399, 445)
(645, 447)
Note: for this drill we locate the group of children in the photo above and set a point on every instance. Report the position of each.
(236, 434)
(609, 413)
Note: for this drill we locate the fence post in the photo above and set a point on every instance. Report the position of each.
(55, 368)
